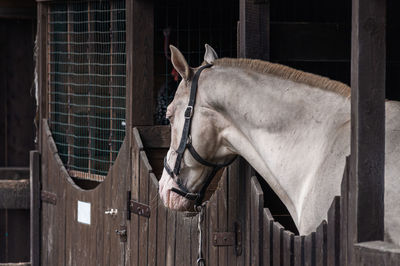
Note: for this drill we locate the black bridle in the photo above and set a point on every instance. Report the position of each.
(186, 143)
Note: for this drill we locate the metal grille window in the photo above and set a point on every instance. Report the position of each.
(87, 80)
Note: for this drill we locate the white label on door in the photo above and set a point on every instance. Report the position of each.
(83, 212)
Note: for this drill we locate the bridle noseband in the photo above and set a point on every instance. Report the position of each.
(186, 143)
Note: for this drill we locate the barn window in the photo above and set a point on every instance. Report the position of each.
(87, 80)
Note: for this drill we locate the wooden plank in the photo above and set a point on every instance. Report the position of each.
(321, 245)
(161, 234)
(194, 240)
(44, 182)
(277, 246)
(233, 201)
(182, 256)
(309, 249)
(143, 198)
(376, 253)
(288, 248)
(14, 173)
(34, 167)
(333, 233)
(171, 238)
(254, 29)
(257, 205)
(155, 136)
(299, 259)
(368, 66)
(344, 199)
(268, 237)
(14, 194)
(212, 216)
(139, 59)
(222, 196)
(153, 230)
(133, 243)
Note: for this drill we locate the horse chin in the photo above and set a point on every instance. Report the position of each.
(171, 199)
(178, 203)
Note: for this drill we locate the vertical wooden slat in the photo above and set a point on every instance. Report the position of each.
(133, 244)
(233, 213)
(161, 235)
(309, 249)
(222, 196)
(35, 207)
(344, 208)
(171, 238)
(182, 240)
(368, 66)
(153, 203)
(288, 248)
(257, 205)
(139, 56)
(212, 215)
(299, 259)
(254, 29)
(268, 238)
(321, 244)
(194, 238)
(44, 185)
(143, 198)
(277, 234)
(334, 233)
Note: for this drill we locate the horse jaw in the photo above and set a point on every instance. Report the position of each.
(171, 199)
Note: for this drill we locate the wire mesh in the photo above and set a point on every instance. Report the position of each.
(87, 81)
(189, 25)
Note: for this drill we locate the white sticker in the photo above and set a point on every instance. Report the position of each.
(83, 212)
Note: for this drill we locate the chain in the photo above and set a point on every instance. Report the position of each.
(200, 260)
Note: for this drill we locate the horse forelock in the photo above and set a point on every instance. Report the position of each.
(286, 72)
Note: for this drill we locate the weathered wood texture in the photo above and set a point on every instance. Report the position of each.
(368, 67)
(65, 240)
(254, 29)
(35, 208)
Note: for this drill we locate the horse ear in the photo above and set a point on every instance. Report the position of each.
(210, 54)
(179, 63)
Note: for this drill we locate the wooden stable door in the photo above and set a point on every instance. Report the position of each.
(82, 227)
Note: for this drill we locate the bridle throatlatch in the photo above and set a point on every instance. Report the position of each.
(186, 143)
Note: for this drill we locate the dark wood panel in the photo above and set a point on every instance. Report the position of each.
(366, 186)
(288, 248)
(254, 30)
(321, 244)
(155, 136)
(14, 173)
(145, 170)
(153, 203)
(377, 253)
(310, 42)
(222, 197)
(212, 216)
(268, 237)
(34, 165)
(171, 238)
(277, 235)
(299, 259)
(334, 233)
(14, 194)
(257, 205)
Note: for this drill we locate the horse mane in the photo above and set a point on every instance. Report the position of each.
(286, 72)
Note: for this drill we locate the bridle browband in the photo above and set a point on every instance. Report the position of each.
(186, 143)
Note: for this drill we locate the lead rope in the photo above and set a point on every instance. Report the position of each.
(200, 260)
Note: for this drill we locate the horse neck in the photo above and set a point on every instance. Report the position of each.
(281, 128)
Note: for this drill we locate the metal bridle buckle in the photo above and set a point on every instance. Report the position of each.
(188, 112)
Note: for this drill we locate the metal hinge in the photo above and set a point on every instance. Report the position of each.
(137, 208)
(48, 197)
(229, 239)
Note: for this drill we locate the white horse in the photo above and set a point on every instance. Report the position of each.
(292, 127)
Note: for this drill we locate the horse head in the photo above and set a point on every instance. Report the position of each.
(197, 150)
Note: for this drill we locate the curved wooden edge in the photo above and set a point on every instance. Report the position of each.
(54, 152)
(138, 144)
